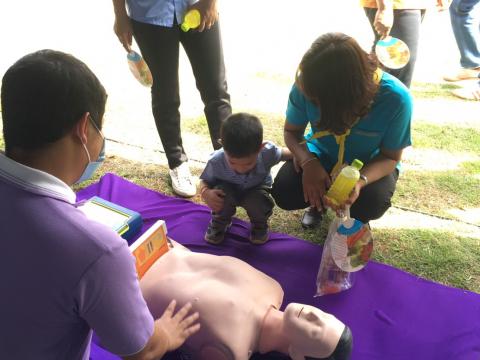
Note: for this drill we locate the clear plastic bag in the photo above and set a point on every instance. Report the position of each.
(347, 249)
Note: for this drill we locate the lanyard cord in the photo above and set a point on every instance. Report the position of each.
(340, 139)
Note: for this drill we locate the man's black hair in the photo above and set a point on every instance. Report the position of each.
(43, 95)
(242, 135)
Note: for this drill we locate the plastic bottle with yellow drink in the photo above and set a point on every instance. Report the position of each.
(191, 20)
(344, 183)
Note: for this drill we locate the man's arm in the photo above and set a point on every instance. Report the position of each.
(208, 11)
(383, 18)
(170, 332)
(122, 26)
(109, 299)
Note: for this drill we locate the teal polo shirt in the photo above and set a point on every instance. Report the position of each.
(387, 125)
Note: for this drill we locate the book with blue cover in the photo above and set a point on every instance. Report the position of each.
(124, 221)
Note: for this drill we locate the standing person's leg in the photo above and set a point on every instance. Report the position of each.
(374, 199)
(204, 50)
(160, 46)
(259, 205)
(465, 19)
(222, 219)
(406, 27)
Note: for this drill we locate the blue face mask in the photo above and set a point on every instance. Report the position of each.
(92, 166)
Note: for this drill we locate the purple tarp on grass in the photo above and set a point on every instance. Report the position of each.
(393, 315)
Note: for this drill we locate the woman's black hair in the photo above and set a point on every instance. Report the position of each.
(337, 75)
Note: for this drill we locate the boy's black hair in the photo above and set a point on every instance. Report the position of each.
(242, 135)
(43, 95)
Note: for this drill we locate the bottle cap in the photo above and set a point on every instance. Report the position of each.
(357, 164)
(191, 20)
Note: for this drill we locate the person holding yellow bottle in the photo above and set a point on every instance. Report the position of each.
(159, 27)
(355, 111)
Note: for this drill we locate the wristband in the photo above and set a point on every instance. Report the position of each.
(364, 178)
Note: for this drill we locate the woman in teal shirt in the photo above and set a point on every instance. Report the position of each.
(355, 111)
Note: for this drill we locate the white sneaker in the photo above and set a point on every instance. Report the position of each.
(182, 181)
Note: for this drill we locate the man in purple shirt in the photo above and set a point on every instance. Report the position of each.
(61, 274)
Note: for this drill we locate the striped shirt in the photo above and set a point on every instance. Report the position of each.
(217, 169)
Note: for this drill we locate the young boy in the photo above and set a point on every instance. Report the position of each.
(239, 175)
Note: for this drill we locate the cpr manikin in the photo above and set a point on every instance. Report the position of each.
(238, 307)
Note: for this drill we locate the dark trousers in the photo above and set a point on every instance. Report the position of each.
(406, 27)
(256, 201)
(160, 48)
(372, 203)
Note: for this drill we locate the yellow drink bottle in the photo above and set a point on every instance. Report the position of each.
(344, 183)
(191, 20)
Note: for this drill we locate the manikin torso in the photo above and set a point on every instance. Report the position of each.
(242, 296)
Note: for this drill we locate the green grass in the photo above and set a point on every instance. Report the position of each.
(272, 125)
(422, 90)
(435, 192)
(445, 137)
(439, 256)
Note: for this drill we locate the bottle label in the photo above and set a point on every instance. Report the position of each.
(352, 246)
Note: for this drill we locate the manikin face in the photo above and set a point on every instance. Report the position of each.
(312, 332)
(242, 165)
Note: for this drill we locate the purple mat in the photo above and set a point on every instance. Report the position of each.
(393, 315)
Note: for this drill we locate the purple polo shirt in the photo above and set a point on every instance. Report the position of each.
(62, 275)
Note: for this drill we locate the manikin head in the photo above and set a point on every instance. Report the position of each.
(314, 334)
(241, 137)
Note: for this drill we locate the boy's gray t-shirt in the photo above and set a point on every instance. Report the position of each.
(217, 169)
